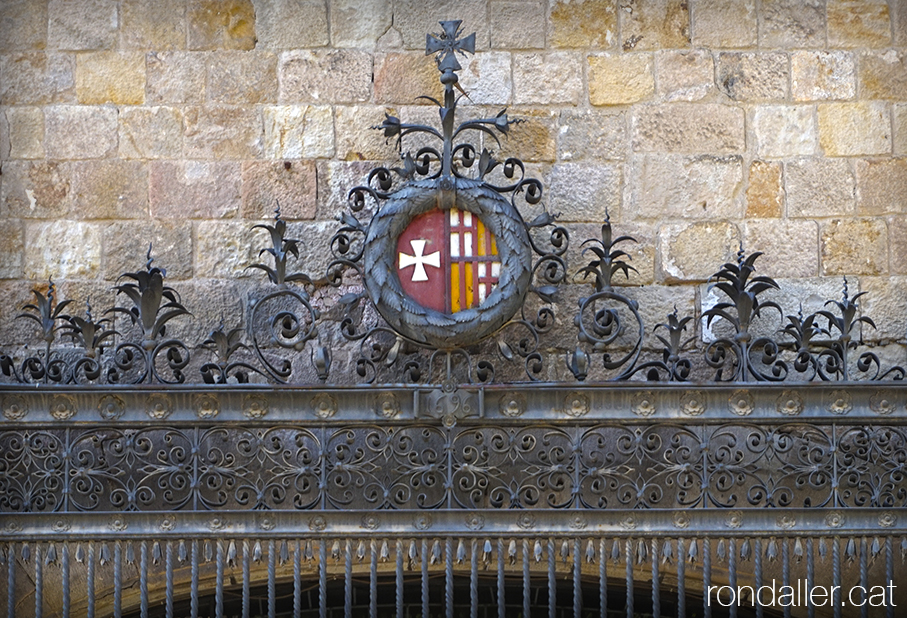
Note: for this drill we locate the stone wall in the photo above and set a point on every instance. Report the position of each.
(697, 125)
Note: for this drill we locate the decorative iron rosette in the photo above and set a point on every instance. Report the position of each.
(425, 325)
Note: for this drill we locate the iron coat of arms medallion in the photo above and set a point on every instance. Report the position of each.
(447, 258)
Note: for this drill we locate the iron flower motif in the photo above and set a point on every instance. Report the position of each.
(741, 402)
(370, 522)
(789, 403)
(423, 521)
(318, 523)
(513, 404)
(576, 405)
(629, 523)
(387, 405)
(475, 521)
(835, 519)
(254, 407)
(61, 525)
(14, 407)
(840, 402)
(206, 406)
(167, 524)
(680, 520)
(692, 403)
(118, 524)
(880, 404)
(888, 519)
(158, 406)
(111, 407)
(786, 522)
(734, 519)
(643, 404)
(526, 520)
(62, 407)
(324, 405)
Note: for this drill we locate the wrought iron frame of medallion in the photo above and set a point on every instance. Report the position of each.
(143, 475)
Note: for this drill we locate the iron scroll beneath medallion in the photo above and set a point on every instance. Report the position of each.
(405, 314)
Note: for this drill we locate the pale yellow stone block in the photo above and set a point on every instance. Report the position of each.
(858, 23)
(62, 250)
(765, 190)
(583, 23)
(849, 129)
(298, 131)
(695, 251)
(26, 132)
(547, 78)
(110, 77)
(823, 75)
(855, 247)
(620, 79)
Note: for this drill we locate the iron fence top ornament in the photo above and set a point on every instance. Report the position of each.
(465, 292)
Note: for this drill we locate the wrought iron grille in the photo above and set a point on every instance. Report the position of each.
(330, 457)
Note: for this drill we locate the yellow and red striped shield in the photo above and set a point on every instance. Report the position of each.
(447, 260)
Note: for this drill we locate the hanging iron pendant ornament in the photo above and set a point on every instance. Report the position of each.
(447, 259)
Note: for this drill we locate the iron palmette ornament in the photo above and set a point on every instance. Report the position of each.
(453, 184)
(48, 313)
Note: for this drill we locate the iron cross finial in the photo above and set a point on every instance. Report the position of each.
(446, 45)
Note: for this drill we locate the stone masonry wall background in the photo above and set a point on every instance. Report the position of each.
(696, 124)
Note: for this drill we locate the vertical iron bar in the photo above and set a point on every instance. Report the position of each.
(864, 580)
(448, 575)
(552, 584)
(297, 576)
(732, 575)
(322, 578)
(785, 570)
(502, 607)
(628, 547)
(272, 577)
(474, 581)
(143, 578)
(193, 588)
(656, 598)
(39, 582)
(424, 558)
(602, 578)
(836, 575)
(168, 576)
(757, 567)
(810, 575)
(681, 580)
(65, 580)
(246, 563)
(90, 582)
(399, 576)
(117, 580)
(889, 575)
(577, 577)
(219, 581)
(706, 576)
(348, 582)
(373, 582)
(11, 580)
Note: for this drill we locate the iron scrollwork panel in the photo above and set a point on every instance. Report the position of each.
(32, 471)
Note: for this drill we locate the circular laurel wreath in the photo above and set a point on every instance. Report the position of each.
(427, 326)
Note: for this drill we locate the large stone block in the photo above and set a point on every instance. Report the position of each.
(674, 186)
(654, 24)
(290, 185)
(335, 179)
(684, 75)
(695, 251)
(110, 77)
(225, 249)
(80, 132)
(792, 23)
(785, 130)
(848, 129)
(487, 78)
(791, 247)
(153, 24)
(242, 78)
(823, 75)
(82, 24)
(534, 139)
(414, 18)
(25, 126)
(584, 191)
(886, 304)
(23, 24)
(110, 189)
(586, 23)
(753, 76)
(150, 133)
(688, 127)
(401, 77)
(298, 131)
(355, 138)
(547, 78)
(292, 24)
(222, 133)
(725, 23)
(517, 24)
(620, 79)
(36, 189)
(882, 187)
(175, 78)
(883, 75)
(325, 76)
(12, 248)
(819, 188)
(125, 246)
(221, 24)
(855, 247)
(194, 189)
(592, 135)
(765, 190)
(62, 250)
(858, 23)
(358, 24)
(897, 244)
(36, 78)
